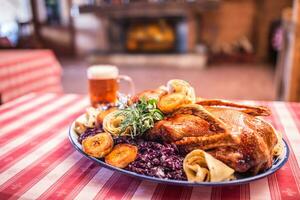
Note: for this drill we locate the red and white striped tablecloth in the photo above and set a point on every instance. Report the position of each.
(38, 162)
(25, 71)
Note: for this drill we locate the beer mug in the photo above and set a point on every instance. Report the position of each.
(104, 84)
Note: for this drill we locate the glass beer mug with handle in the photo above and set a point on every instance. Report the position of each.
(104, 84)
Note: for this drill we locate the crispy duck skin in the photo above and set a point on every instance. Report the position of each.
(251, 110)
(231, 132)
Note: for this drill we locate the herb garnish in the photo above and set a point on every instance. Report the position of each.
(140, 117)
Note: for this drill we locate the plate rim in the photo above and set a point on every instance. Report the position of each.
(270, 171)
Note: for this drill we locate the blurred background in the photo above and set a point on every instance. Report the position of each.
(235, 49)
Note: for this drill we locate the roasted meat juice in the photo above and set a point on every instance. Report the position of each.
(103, 91)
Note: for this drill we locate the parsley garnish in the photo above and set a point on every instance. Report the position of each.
(140, 117)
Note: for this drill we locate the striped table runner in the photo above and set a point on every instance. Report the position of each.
(38, 162)
(25, 71)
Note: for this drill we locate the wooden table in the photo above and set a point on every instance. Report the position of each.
(38, 161)
(25, 71)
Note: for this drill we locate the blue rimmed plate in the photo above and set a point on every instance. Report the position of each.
(277, 164)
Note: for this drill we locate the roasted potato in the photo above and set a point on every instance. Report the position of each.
(101, 115)
(179, 93)
(122, 155)
(183, 87)
(98, 145)
(172, 102)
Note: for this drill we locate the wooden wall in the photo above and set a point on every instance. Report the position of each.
(232, 21)
(293, 67)
(229, 23)
(235, 19)
(267, 11)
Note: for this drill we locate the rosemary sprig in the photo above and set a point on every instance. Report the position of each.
(140, 117)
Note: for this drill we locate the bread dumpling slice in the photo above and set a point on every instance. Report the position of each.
(200, 166)
(278, 148)
(112, 123)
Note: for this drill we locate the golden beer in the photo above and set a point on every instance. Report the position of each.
(104, 84)
(103, 91)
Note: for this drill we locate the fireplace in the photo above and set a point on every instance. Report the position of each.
(152, 36)
(148, 35)
(151, 33)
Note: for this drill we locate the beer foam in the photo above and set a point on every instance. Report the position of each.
(102, 72)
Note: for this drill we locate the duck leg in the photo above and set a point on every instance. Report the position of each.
(251, 110)
(192, 127)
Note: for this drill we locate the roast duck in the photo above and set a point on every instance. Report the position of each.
(233, 133)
